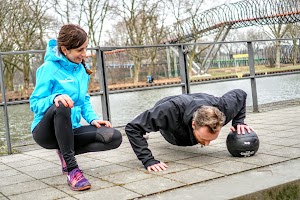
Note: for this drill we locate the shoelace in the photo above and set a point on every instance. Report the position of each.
(78, 175)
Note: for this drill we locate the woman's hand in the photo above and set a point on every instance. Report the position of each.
(65, 99)
(98, 123)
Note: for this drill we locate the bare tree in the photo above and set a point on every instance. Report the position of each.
(293, 32)
(186, 28)
(67, 11)
(96, 12)
(32, 28)
(117, 35)
(156, 33)
(23, 29)
(277, 32)
(140, 18)
(90, 14)
(244, 35)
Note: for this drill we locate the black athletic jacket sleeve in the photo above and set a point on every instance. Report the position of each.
(234, 106)
(161, 116)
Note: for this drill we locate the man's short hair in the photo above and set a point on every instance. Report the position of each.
(208, 116)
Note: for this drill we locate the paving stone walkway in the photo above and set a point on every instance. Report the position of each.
(35, 173)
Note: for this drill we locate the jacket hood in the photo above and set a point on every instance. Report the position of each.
(54, 55)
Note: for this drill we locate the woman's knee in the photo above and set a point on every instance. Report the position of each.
(117, 138)
(62, 110)
(109, 136)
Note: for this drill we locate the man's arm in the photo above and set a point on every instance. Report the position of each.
(239, 118)
(151, 120)
(236, 104)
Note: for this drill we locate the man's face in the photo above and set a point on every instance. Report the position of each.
(204, 136)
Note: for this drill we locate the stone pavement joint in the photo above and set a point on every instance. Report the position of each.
(211, 172)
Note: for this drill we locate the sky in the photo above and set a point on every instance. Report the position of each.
(220, 2)
(208, 4)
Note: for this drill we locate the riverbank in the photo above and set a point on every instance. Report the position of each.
(213, 74)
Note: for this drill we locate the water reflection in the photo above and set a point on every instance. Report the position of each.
(125, 106)
(20, 119)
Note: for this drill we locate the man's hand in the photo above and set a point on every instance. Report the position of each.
(241, 128)
(65, 99)
(157, 167)
(98, 123)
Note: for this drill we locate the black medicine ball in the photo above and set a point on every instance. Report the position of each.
(242, 145)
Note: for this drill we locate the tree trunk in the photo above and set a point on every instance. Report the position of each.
(8, 81)
(277, 54)
(26, 72)
(295, 52)
(150, 69)
(137, 64)
(191, 59)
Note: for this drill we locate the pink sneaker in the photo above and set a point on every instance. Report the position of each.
(77, 181)
(63, 163)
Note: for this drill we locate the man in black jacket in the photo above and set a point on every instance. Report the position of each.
(187, 120)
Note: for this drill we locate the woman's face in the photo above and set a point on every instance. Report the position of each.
(76, 55)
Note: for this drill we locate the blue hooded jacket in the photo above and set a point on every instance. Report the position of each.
(57, 75)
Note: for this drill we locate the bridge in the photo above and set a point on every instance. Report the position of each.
(221, 19)
(237, 15)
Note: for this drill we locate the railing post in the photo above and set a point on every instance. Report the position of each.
(168, 62)
(252, 76)
(184, 74)
(9, 150)
(103, 84)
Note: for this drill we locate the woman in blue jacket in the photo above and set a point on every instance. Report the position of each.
(60, 99)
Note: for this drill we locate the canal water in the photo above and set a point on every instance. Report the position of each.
(125, 106)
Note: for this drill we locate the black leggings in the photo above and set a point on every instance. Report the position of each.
(55, 131)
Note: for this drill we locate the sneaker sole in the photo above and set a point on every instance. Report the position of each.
(80, 189)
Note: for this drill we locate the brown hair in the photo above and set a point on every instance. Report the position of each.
(209, 116)
(72, 36)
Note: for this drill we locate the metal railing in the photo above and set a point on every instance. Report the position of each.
(102, 73)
